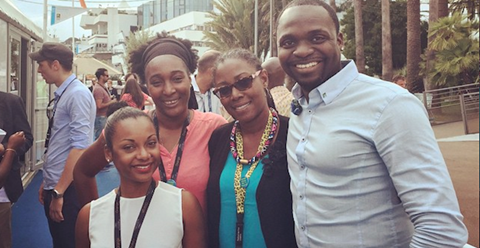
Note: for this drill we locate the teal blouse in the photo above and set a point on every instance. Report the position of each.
(252, 232)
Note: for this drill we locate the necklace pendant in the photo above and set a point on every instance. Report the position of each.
(244, 181)
(243, 161)
(172, 182)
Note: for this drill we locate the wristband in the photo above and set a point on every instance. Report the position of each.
(10, 149)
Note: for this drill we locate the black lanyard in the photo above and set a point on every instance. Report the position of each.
(140, 218)
(178, 158)
(239, 231)
(50, 119)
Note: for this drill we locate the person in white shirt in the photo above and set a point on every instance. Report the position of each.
(140, 212)
(366, 170)
(202, 83)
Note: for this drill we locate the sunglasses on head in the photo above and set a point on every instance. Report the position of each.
(241, 85)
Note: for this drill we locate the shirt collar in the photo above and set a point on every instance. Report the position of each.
(331, 88)
(194, 84)
(64, 85)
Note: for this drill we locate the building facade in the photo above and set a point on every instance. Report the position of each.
(105, 25)
(158, 11)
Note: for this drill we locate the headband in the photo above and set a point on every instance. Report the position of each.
(167, 46)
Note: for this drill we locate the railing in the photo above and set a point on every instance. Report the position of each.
(444, 105)
(469, 104)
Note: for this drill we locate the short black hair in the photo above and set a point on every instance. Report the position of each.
(326, 6)
(100, 72)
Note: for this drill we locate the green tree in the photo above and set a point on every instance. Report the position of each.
(456, 46)
(233, 26)
(470, 7)
(372, 31)
(134, 41)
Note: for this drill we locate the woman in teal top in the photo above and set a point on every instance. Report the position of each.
(248, 194)
(253, 236)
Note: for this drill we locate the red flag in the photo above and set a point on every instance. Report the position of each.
(82, 3)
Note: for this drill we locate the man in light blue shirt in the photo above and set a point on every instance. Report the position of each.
(366, 170)
(70, 132)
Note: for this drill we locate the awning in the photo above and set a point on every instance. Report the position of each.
(89, 65)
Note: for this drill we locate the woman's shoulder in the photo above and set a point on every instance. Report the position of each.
(208, 120)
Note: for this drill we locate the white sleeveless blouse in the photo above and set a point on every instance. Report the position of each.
(162, 226)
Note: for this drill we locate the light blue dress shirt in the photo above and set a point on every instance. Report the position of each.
(72, 127)
(366, 170)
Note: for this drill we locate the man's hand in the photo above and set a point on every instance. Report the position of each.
(56, 209)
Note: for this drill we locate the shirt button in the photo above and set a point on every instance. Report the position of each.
(303, 228)
(324, 95)
(302, 167)
(301, 196)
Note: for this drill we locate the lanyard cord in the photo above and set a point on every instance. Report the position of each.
(140, 218)
(50, 120)
(241, 183)
(178, 158)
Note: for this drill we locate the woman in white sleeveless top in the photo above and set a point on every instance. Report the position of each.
(141, 212)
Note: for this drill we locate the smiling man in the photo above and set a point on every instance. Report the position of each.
(366, 170)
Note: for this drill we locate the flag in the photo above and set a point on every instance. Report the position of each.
(61, 13)
(82, 3)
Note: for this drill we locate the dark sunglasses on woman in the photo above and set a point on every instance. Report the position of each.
(241, 85)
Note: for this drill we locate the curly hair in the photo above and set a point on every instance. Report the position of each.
(136, 56)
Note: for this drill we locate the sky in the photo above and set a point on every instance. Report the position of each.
(33, 9)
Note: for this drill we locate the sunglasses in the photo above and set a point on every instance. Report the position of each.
(241, 85)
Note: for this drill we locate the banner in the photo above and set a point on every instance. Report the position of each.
(61, 13)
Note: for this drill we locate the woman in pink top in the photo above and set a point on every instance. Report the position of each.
(134, 96)
(166, 64)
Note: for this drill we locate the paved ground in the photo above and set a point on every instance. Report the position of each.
(461, 153)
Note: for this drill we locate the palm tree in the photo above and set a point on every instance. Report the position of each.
(414, 46)
(387, 65)
(456, 45)
(442, 8)
(433, 10)
(233, 26)
(472, 7)
(134, 41)
(359, 54)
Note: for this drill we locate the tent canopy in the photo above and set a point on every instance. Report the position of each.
(89, 65)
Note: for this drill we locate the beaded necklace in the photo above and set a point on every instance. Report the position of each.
(241, 183)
